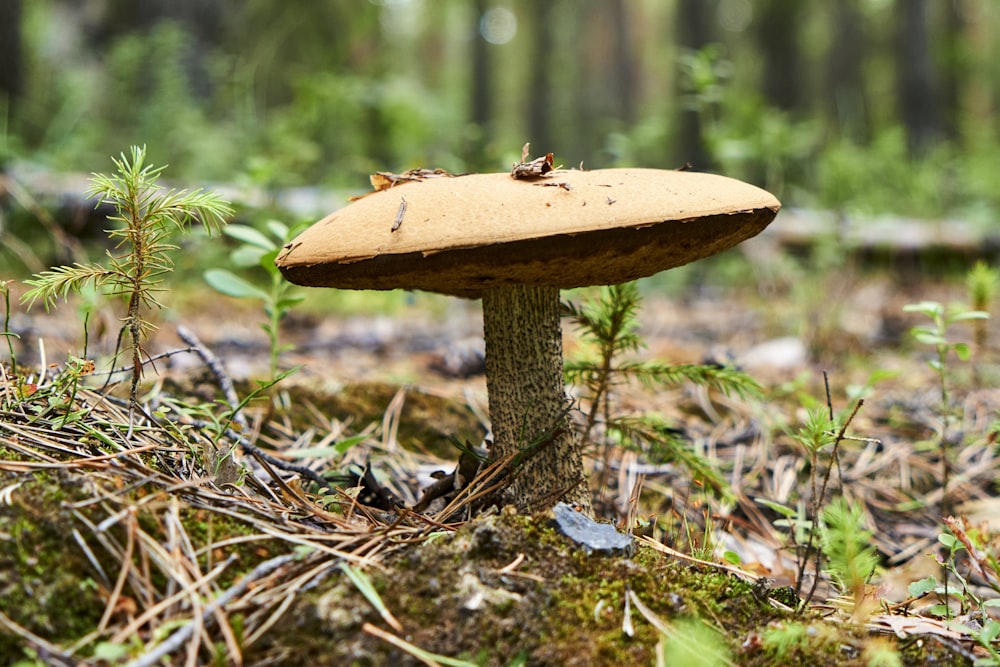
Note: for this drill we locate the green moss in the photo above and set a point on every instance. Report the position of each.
(552, 620)
(568, 610)
(42, 582)
(49, 585)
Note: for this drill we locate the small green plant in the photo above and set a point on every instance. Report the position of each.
(7, 334)
(691, 641)
(821, 437)
(147, 215)
(610, 324)
(258, 249)
(815, 436)
(981, 548)
(851, 557)
(982, 283)
(936, 334)
(784, 639)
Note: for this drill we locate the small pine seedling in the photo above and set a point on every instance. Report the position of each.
(146, 215)
(611, 324)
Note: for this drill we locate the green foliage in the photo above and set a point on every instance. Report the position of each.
(812, 527)
(146, 215)
(662, 443)
(386, 85)
(983, 283)
(748, 139)
(156, 67)
(881, 176)
(879, 652)
(847, 544)
(937, 335)
(610, 324)
(980, 549)
(255, 255)
(783, 638)
(693, 642)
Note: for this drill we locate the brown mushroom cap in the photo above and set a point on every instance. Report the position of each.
(572, 229)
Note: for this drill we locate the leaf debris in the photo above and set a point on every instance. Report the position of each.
(399, 214)
(383, 180)
(536, 168)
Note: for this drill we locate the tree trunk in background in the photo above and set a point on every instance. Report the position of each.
(847, 105)
(777, 33)
(961, 49)
(481, 103)
(622, 73)
(914, 76)
(539, 112)
(11, 62)
(978, 103)
(692, 30)
(601, 73)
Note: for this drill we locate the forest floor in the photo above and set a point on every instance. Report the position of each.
(136, 545)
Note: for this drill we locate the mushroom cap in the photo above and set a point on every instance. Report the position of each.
(460, 235)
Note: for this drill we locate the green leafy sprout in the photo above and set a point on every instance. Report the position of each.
(258, 249)
(936, 335)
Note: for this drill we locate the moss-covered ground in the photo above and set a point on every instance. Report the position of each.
(454, 593)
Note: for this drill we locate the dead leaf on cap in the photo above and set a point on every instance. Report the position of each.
(536, 168)
(383, 180)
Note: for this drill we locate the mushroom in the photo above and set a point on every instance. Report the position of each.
(515, 244)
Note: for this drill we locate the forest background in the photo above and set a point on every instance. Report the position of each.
(856, 106)
(858, 109)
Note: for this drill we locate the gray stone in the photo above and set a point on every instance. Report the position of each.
(594, 537)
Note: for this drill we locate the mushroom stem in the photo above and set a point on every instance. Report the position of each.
(528, 403)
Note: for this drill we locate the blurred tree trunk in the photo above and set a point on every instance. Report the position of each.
(692, 29)
(600, 70)
(914, 76)
(977, 101)
(777, 34)
(847, 104)
(11, 63)
(965, 48)
(482, 92)
(622, 71)
(540, 96)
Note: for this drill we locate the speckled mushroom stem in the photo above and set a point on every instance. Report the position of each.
(528, 403)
